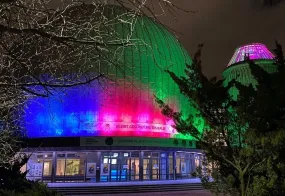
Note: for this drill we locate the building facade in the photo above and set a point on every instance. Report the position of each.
(113, 130)
(112, 164)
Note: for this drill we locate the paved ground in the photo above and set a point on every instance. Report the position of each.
(85, 184)
(180, 193)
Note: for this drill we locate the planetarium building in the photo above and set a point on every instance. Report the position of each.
(113, 130)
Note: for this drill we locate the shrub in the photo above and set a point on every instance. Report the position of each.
(37, 189)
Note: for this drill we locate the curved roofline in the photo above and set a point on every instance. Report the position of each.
(253, 43)
(244, 63)
(255, 51)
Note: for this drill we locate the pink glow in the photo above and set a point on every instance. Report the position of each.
(132, 117)
(143, 118)
(255, 51)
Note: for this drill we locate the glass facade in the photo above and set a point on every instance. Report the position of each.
(111, 166)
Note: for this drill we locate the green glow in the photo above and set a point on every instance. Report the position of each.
(152, 50)
(242, 73)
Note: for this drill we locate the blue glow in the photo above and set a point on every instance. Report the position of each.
(61, 114)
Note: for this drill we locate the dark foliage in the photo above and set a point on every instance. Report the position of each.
(11, 177)
(244, 138)
(14, 183)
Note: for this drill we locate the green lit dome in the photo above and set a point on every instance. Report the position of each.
(153, 49)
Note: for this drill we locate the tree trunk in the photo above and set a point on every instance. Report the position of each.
(242, 184)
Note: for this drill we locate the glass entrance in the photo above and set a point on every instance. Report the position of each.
(47, 169)
(155, 169)
(146, 169)
(134, 166)
(118, 167)
(115, 168)
(163, 166)
(124, 166)
(130, 168)
(155, 166)
(135, 171)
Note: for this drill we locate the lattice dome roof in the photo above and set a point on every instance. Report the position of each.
(255, 51)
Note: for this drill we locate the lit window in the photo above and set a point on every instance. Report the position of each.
(72, 167)
(114, 161)
(105, 160)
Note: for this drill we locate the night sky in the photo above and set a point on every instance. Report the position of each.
(223, 25)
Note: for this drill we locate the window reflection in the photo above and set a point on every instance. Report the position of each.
(60, 167)
(47, 167)
(72, 167)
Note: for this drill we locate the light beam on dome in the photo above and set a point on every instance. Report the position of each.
(255, 51)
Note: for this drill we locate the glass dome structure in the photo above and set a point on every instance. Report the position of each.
(239, 70)
(255, 51)
(123, 104)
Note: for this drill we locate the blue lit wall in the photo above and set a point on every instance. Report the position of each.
(61, 114)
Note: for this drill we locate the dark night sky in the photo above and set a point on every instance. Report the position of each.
(223, 25)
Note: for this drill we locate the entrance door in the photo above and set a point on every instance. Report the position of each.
(155, 169)
(147, 169)
(115, 169)
(130, 167)
(135, 171)
(125, 168)
(47, 168)
(163, 168)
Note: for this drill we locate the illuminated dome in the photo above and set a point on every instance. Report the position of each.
(239, 70)
(254, 51)
(112, 130)
(122, 105)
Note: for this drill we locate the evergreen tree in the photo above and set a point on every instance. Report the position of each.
(243, 139)
(11, 177)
